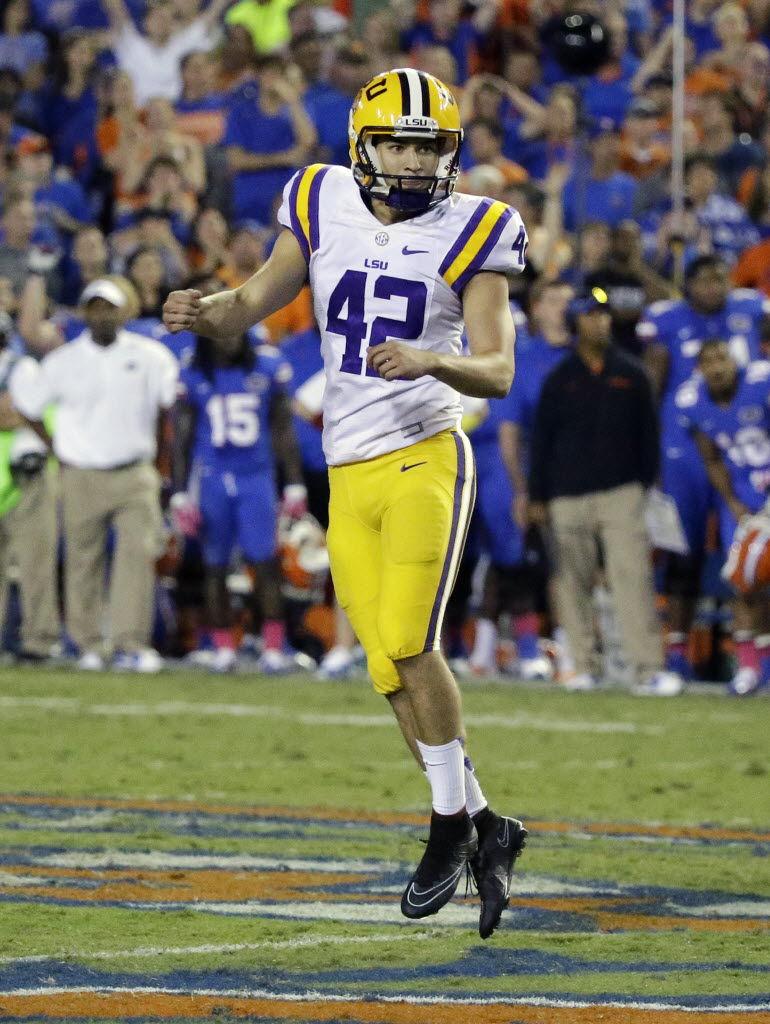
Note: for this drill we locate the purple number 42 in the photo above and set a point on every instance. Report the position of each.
(350, 292)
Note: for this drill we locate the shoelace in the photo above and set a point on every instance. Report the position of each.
(471, 889)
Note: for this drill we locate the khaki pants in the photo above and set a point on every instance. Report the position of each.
(128, 500)
(616, 518)
(33, 528)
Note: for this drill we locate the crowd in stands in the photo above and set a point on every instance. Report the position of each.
(149, 141)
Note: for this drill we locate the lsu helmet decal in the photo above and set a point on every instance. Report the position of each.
(405, 104)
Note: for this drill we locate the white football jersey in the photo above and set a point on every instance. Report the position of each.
(373, 283)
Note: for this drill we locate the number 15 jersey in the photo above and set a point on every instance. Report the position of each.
(373, 283)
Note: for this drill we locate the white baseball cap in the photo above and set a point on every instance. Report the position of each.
(107, 290)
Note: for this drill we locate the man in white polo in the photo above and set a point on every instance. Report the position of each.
(110, 388)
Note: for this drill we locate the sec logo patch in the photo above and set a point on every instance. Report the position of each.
(382, 238)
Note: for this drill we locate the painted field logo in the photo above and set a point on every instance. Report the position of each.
(325, 940)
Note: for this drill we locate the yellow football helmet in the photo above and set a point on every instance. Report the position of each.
(405, 103)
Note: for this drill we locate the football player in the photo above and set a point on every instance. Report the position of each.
(727, 410)
(233, 420)
(673, 332)
(397, 262)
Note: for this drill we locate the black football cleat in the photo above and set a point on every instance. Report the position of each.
(501, 841)
(451, 844)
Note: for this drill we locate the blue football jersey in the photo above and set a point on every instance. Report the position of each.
(303, 353)
(741, 430)
(232, 430)
(533, 364)
(682, 330)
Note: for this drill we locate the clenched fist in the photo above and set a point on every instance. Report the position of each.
(181, 309)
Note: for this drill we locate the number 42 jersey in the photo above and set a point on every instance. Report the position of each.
(373, 283)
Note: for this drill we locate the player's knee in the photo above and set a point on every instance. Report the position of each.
(383, 672)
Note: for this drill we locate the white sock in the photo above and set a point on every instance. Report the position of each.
(485, 644)
(445, 768)
(475, 800)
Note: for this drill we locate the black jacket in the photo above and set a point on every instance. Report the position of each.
(593, 431)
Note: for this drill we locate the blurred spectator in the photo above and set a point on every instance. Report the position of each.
(266, 21)
(608, 92)
(200, 109)
(61, 16)
(642, 152)
(246, 254)
(607, 188)
(237, 62)
(547, 134)
(162, 138)
(732, 154)
(21, 47)
(68, 105)
(380, 39)
(30, 530)
(88, 261)
(629, 283)
(163, 192)
(110, 387)
(18, 225)
(484, 142)
(147, 274)
(120, 131)
(268, 136)
(732, 29)
(594, 453)
(311, 54)
(444, 26)
(483, 180)
(724, 225)
(753, 268)
(439, 62)
(594, 242)
(350, 70)
(152, 57)
(750, 95)
(60, 202)
(211, 237)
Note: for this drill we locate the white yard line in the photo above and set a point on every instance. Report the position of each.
(159, 861)
(233, 947)
(413, 1000)
(72, 705)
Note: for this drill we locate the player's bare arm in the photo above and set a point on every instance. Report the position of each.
(488, 371)
(718, 474)
(656, 361)
(284, 440)
(232, 312)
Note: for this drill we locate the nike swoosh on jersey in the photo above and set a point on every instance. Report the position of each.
(412, 465)
(435, 890)
(406, 251)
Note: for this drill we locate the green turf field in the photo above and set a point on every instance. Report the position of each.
(188, 847)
